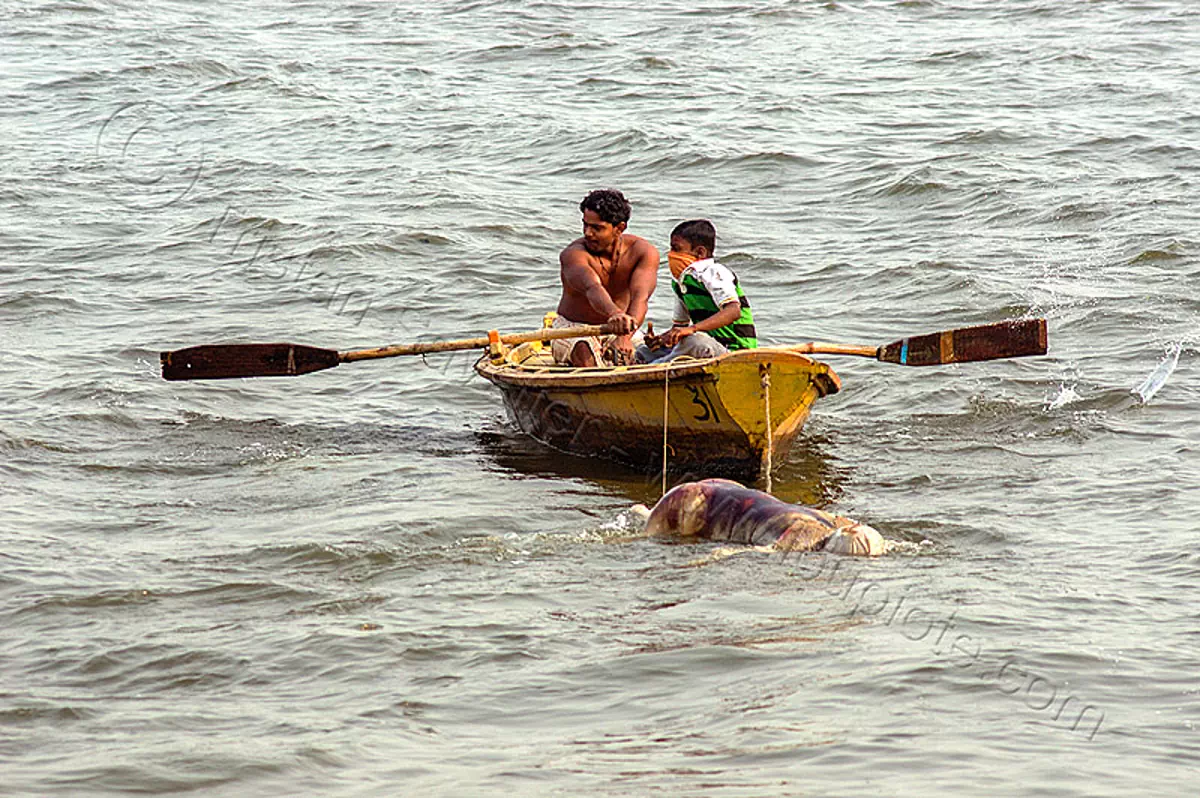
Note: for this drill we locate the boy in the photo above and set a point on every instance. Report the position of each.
(712, 315)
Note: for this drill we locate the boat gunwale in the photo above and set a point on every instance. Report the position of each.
(548, 376)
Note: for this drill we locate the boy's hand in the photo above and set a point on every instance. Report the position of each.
(651, 339)
(672, 336)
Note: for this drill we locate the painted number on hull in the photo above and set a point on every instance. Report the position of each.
(700, 398)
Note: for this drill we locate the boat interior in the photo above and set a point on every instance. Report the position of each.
(535, 357)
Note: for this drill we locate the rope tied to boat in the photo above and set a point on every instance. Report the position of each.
(765, 370)
(666, 394)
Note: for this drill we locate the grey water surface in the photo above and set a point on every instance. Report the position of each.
(365, 582)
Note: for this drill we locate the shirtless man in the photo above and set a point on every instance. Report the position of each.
(607, 277)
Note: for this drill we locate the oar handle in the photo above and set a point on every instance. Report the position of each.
(582, 331)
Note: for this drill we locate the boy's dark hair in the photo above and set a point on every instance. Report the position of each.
(609, 204)
(698, 233)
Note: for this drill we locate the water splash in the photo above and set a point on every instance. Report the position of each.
(1066, 395)
(1157, 378)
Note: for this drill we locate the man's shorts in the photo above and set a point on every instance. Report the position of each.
(561, 347)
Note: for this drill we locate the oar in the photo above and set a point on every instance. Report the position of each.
(963, 345)
(222, 361)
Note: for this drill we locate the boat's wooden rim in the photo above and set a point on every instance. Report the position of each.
(543, 375)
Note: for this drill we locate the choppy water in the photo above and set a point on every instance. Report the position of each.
(365, 582)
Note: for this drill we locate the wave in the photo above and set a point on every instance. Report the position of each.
(773, 162)
(350, 251)
(14, 444)
(324, 556)
(912, 185)
(1081, 211)
(1167, 252)
(953, 57)
(553, 46)
(655, 63)
(984, 136)
(199, 68)
(35, 712)
(269, 84)
(35, 303)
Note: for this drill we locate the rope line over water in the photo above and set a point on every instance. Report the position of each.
(666, 404)
(767, 453)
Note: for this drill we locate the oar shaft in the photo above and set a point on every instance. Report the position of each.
(582, 331)
(822, 348)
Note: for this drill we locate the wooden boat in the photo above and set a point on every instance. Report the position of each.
(724, 415)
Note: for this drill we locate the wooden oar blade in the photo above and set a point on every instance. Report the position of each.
(969, 344)
(224, 361)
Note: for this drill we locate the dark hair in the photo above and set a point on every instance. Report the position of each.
(698, 233)
(608, 203)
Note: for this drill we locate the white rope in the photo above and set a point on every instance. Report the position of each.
(666, 386)
(766, 385)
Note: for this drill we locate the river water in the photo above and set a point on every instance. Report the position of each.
(366, 582)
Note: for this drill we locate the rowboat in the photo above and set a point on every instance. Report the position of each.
(732, 414)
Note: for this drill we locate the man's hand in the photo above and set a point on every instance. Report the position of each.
(672, 336)
(621, 323)
(622, 350)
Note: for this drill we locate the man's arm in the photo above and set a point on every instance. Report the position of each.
(579, 278)
(643, 277)
(642, 280)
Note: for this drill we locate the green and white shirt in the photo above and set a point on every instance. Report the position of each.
(701, 290)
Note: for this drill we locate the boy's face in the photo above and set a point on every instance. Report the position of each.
(684, 247)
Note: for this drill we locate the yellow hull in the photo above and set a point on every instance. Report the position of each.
(716, 410)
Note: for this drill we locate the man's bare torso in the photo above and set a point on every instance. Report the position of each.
(574, 304)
